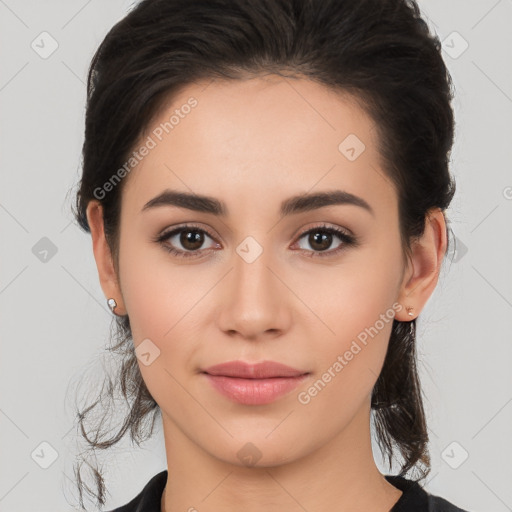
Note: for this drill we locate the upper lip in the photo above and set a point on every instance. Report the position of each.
(262, 370)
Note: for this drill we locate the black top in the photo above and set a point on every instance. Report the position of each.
(414, 497)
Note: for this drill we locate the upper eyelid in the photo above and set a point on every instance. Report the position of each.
(175, 230)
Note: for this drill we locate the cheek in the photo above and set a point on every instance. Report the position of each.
(347, 370)
(357, 349)
(352, 297)
(163, 302)
(157, 294)
(356, 303)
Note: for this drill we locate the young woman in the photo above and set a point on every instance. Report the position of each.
(265, 183)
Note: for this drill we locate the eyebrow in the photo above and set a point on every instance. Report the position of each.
(292, 205)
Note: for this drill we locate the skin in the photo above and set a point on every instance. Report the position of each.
(252, 144)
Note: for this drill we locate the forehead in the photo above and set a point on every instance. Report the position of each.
(241, 138)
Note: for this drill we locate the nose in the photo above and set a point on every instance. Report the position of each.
(254, 300)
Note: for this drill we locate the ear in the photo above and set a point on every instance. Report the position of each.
(102, 254)
(424, 266)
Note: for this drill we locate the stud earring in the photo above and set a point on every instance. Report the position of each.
(112, 304)
(409, 310)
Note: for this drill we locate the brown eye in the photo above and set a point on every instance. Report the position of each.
(185, 241)
(322, 237)
(320, 241)
(191, 239)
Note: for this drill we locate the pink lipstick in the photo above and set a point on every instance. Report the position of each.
(254, 384)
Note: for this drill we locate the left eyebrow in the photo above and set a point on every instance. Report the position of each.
(292, 205)
(306, 202)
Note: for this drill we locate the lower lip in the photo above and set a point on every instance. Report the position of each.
(254, 391)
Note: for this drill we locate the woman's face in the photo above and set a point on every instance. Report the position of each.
(264, 281)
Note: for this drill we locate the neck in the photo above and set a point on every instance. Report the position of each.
(340, 475)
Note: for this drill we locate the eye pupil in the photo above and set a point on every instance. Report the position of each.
(320, 238)
(196, 239)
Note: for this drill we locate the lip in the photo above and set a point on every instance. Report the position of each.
(262, 370)
(254, 384)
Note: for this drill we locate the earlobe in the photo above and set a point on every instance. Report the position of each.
(103, 256)
(427, 254)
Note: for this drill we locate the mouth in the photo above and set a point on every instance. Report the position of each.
(254, 384)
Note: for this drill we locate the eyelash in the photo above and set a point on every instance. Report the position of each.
(348, 240)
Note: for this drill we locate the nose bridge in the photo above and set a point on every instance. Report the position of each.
(251, 267)
(254, 303)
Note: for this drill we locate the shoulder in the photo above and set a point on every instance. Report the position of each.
(148, 499)
(416, 498)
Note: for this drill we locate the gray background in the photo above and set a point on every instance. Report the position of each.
(54, 320)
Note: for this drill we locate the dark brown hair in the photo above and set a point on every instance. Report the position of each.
(381, 52)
